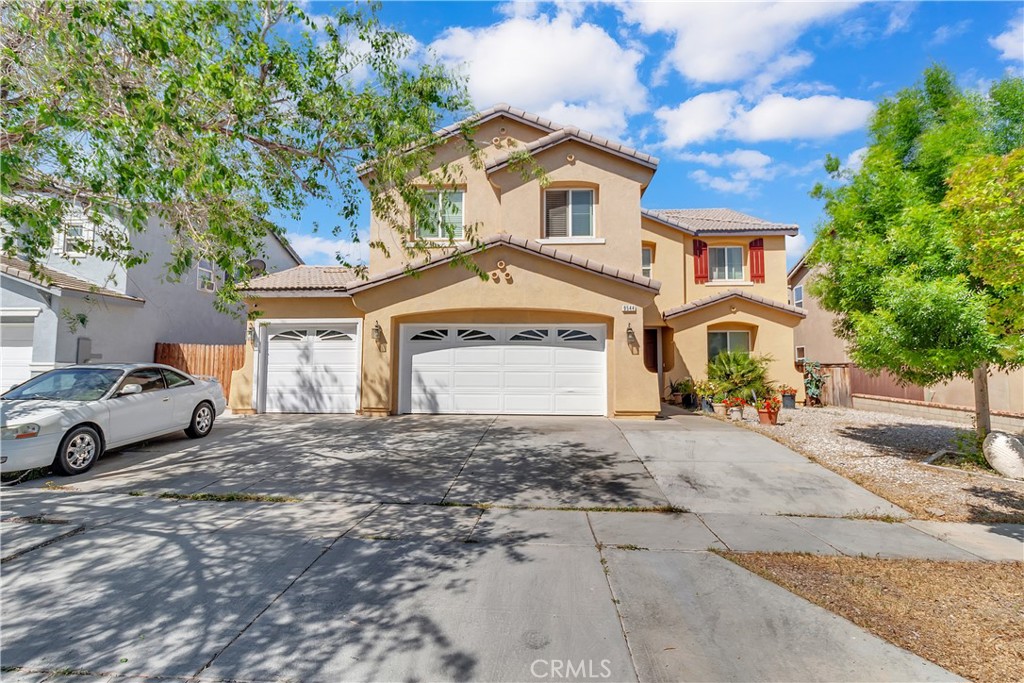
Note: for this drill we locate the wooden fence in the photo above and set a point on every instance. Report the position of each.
(835, 390)
(883, 384)
(203, 359)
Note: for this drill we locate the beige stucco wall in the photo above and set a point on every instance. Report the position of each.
(530, 289)
(1005, 392)
(771, 334)
(506, 202)
(816, 333)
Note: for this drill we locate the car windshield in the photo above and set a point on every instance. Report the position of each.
(70, 384)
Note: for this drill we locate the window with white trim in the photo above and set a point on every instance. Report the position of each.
(205, 281)
(801, 354)
(798, 296)
(733, 342)
(448, 219)
(569, 213)
(79, 234)
(646, 261)
(725, 264)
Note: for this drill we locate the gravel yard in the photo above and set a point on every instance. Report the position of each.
(882, 452)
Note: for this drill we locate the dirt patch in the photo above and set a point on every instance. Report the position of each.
(884, 454)
(967, 617)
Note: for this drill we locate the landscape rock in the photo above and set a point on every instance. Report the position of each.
(1005, 453)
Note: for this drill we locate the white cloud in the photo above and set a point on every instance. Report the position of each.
(778, 117)
(899, 18)
(730, 185)
(549, 65)
(795, 246)
(782, 66)
(722, 41)
(720, 114)
(317, 250)
(1010, 43)
(856, 159)
(697, 119)
(947, 32)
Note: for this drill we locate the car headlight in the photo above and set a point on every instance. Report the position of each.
(20, 432)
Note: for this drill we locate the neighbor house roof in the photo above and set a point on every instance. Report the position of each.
(571, 133)
(50, 278)
(521, 244)
(303, 278)
(732, 294)
(717, 222)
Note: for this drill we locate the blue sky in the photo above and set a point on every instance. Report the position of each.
(740, 101)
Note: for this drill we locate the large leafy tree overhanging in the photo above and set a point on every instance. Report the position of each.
(906, 260)
(211, 116)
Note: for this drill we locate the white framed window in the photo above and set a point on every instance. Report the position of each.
(569, 213)
(725, 264)
(798, 296)
(78, 234)
(646, 261)
(447, 209)
(801, 354)
(733, 342)
(205, 282)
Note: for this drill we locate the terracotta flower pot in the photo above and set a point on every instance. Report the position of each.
(767, 417)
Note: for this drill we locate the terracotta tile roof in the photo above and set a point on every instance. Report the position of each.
(21, 270)
(729, 294)
(717, 222)
(517, 243)
(572, 133)
(303, 278)
(500, 109)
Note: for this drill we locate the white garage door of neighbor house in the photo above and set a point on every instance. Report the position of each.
(503, 369)
(16, 347)
(312, 369)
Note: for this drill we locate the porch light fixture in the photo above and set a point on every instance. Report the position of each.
(630, 335)
(378, 333)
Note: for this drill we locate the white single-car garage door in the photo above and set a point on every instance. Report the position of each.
(503, 369)
(312, 369)
(15, 353)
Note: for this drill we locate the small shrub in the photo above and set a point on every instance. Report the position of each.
(740, 374)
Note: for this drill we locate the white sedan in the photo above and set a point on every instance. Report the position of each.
(66, 418)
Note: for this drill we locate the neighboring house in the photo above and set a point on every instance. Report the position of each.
(90, 309)
(592, 304)
(814, 339)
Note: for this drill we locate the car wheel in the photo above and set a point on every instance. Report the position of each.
(202, 421)
(79, 450)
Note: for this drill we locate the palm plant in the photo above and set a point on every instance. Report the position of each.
(740, 374)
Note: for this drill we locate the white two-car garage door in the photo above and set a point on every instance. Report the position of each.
(312, 369)
(503, 369)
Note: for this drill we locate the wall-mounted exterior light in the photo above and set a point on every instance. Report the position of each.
(630, 335)
(378, 332)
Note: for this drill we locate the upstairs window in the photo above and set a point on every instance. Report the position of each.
(78, 234)
(646, 261)
(569, 213)
(798, 296)
(205, 280)
(447, 217)
(726, 264)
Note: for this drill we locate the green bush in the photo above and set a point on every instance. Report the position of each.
(741, 375)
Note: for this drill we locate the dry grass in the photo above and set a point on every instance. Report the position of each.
(967, 617)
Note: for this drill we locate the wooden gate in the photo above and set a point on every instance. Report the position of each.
(203, 359)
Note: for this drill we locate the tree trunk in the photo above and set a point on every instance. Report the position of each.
(982, 417)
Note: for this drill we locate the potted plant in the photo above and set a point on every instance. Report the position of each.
(734, 407)
(788, 396)
(677, 389)
(689, 399)
(814, 381)
(705, 390)
(768, 409)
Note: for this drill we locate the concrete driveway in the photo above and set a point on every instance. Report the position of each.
(441, 548)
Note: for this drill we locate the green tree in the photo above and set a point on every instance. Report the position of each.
(897, 264)
(211, 116)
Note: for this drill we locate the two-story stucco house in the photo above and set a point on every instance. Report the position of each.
(592, 305)
(88, 309)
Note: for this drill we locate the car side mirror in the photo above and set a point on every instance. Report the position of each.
(129, 389)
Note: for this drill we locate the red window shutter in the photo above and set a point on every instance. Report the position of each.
(757, 261)
(700, 262)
